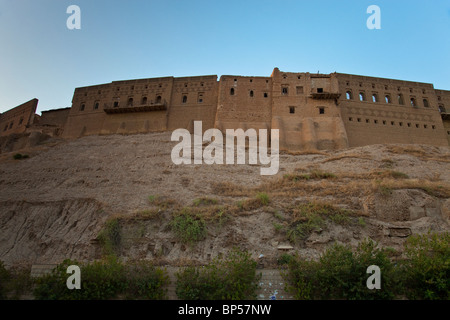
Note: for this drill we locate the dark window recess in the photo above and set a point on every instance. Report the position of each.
(321, 110)
(284, 90)
(425, 103)
(232, 92)
(251, 93)
(291, 109)
(319, 90)
(144, 100)
(200, 98)
(20, 121)
(130, 102)
(96, 105)
(184, 99)
(158, 99)
(11, 125)
(265, 95)
(116, 104)
(82, 107)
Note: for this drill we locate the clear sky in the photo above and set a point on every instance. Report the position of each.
(119, 40)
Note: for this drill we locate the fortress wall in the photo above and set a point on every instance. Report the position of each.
(390, 116)
(304, 121)
(17, 119)
(443, 97)
(193, 98)
(243, 103)
(56, 117)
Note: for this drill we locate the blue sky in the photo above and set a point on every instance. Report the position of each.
(119, 40)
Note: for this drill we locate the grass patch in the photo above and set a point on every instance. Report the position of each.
(188, 228)
(110, 237)
(204, 201)
(313, 175)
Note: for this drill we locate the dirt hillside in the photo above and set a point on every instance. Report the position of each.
(54, 204)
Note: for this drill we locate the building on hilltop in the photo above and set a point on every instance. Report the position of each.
(311, 111)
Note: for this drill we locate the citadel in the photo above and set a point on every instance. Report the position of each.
(312, 111)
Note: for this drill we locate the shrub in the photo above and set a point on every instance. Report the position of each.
(105, 279)
(204, 201)
(340, 273)
(188, 228)
(426, 269)
(231, 278)
(19, 156)
(5, 276)
(110, 237)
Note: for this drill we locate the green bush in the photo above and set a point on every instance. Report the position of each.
(110, 237)
(230, 278)
(340, 273)
(263, 198)
(5, 276)
(188, 228)
(19, 156)
(426, 269)
(105, 279)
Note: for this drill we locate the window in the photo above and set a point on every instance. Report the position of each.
(82, 107)
(361, 96)
(99, 91)
(284, 90)
(400, 99)
(184, 99)
(367, 121)
(417, 125)
(387, 98)
(232, 92)
(11, 125)
(374, 97)
(409, 125)
(425, 126)
(200, 98)
(375, 121)
(392, 123)
(299, 90)
(130, 102)
(158, 99)
(251, 80)
(348, 95)
(350, 119)
(202, 84)
(291, 109)
(425, 103)
(359, 119)
(439, 98)
(319, 90)
(413, 102)
(433, 127)
(20, 121)
(400, 124)
(265, 95)
(321, 110)
(373, 85)
(441, 108)
(96, 105)
(384, 122)
(144, 100)
(116, 104)
(132, 87)
(251, 93)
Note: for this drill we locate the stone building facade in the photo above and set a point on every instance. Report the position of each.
(311, 111)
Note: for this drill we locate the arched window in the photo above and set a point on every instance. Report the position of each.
(413, 102)
(251, 93)
(158, 99)
(374, 97)
(232, 91)
(425, 103)
(184, 100)
(442, 108)
(116, 104)
(144, 100)
(387, 98)
(348, 95)
(96, 105)
(361, 96)
(130, 102)
(400, 99)
(82, 107)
